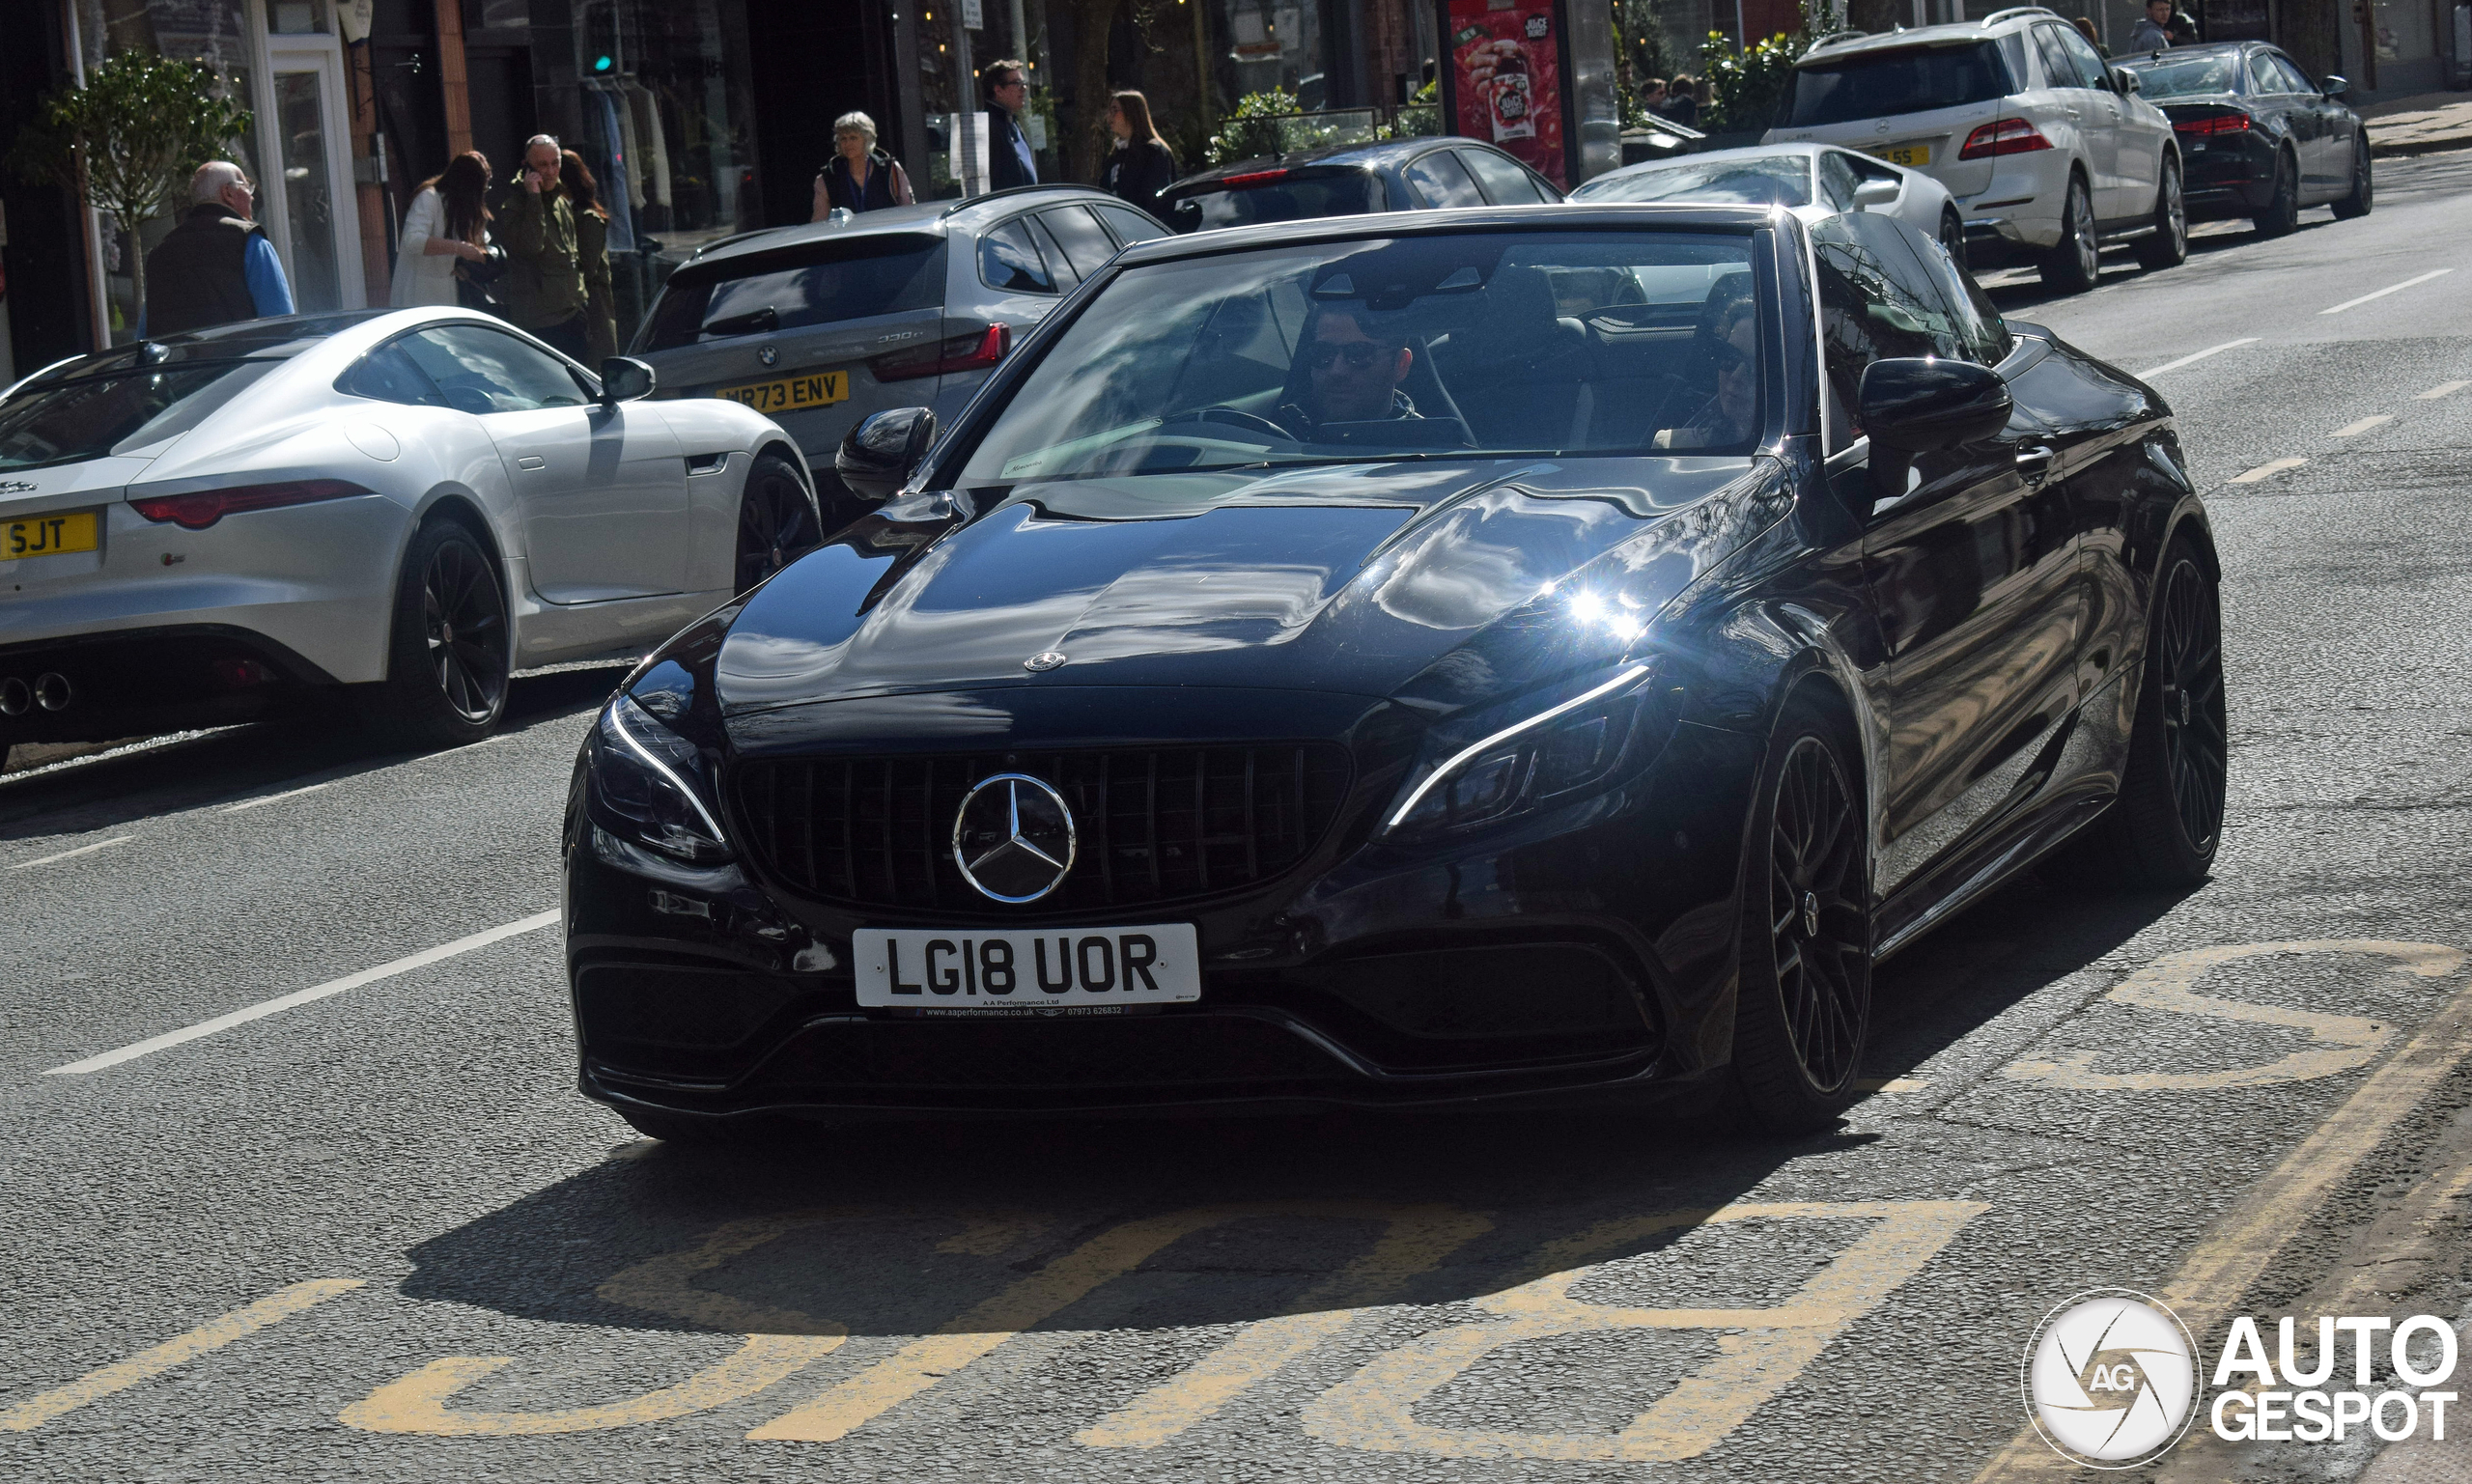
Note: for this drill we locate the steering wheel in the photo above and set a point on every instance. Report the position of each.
(1234, 417)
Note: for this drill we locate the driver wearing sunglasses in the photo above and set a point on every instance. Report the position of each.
(1353, 366)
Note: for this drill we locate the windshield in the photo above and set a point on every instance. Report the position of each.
(1278, 195)
(1457, 346)
(814, 284)
(62, 419)
(1873, 85)
(2217, 74)
(1775, 179)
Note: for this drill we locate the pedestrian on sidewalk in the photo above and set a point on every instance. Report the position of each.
(2154, 31)
(860, 176)
(216, 267)
(592, 256)
(544, 285)
(448, 224)
(1652, 96)
(1140, 166)
(1009, 161)
(2093, 39)
(1682, 101)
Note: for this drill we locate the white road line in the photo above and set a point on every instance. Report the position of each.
(2389, 288)
(2267, 471)
(2442, 389)
(2229, 344)
(297, 997)
(2354, 430)
(268, 799)
(83, 850)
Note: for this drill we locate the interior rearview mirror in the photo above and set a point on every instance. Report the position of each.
(624, 378)
(878, 457)
(1916, 405)
(1877, 192)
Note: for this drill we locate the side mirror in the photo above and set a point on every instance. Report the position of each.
(624, 378)
(1916, 405)
(878, 457)
(2334, 86)
(1877, 192)
(2126, 82)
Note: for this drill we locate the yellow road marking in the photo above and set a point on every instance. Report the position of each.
(2165, 985)
(2354, 430)
(147, 1365)
(2442, 389)
(1761, 1350)
(1419, 1239)
(417, 1403)
(2216, 1276)
(2267, 471)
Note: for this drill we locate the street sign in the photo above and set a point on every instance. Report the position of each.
(974, 15)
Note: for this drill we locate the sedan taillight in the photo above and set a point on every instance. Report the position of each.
(974, 352)
(202, 508)
(2009, 136)
(2213, 124)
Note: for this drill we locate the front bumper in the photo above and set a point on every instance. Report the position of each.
(1585, 949)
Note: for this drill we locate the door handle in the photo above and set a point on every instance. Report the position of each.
(2034, 464)
(531, 461)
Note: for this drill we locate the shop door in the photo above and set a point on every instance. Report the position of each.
(319, 221)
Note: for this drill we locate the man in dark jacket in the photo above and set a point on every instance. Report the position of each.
(216, 267)
(1009, 161)
(545, 292)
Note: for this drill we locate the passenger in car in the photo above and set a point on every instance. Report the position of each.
(1353, 365)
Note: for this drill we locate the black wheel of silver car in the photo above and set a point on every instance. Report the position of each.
(1805, 1000)
(446, 675)
(2364, 192)
(1953, 236)
(2076, 260)
(2167, 246)
(2164, 829)
(2282, 215)
(777, 521)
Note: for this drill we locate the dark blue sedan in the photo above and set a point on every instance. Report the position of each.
(2259, 138)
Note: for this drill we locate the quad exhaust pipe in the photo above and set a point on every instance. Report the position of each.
(50, 690)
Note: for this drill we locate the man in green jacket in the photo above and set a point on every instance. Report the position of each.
(544, 285)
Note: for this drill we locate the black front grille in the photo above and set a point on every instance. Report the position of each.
(1152, 825)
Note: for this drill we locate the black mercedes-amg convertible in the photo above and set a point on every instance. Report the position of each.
(1485, 655)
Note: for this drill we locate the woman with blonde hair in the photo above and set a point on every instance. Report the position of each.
(1141, 165)
(448, 224)
(860, 176)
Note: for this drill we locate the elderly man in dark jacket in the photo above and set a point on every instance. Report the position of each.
(544, 285)
(216, 267)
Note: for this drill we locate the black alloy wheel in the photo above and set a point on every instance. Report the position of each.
(1805, 1001)
(2163, 830)
(2167, 246)
(1952, 236)
(446, 674)
(2282, 215)
(2364, 192)
(777, 522)
(2076, 261)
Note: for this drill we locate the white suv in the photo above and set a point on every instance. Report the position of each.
(2049, 152)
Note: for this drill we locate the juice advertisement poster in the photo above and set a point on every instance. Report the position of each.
(1506, 73)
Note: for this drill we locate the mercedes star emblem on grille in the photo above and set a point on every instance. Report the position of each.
(15, 486)
(1013, 838)
(1044, 660)
(767, 355)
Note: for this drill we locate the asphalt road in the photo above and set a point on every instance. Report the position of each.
(376, 1234)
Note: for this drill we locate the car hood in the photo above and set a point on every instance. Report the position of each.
(1440, 584)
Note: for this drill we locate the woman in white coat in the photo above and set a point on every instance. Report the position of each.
(448, 224)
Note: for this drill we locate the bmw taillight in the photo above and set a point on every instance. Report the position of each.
(199, 509)
(2213, 124)
(2009, 136)
(974, 352)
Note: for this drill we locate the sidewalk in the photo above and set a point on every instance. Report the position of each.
(2421, 124)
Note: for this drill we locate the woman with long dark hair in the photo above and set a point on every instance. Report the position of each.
(1141, 165)
(448, 224)
(592, 255)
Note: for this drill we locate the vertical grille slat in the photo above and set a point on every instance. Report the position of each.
(876, 831)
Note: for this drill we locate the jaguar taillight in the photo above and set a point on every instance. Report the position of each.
(199, 509)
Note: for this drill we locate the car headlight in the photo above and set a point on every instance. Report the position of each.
(648, 787)
(1537, 751)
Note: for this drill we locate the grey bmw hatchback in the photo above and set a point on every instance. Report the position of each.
(819, 325)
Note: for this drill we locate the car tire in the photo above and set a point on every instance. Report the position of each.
(2364, 192)
(1803, 1004)
(2075, 261)
(2282, 215)
(2161, 833)
(449, 650)
(2167, 246)
(1952, 236)
(777, 521)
